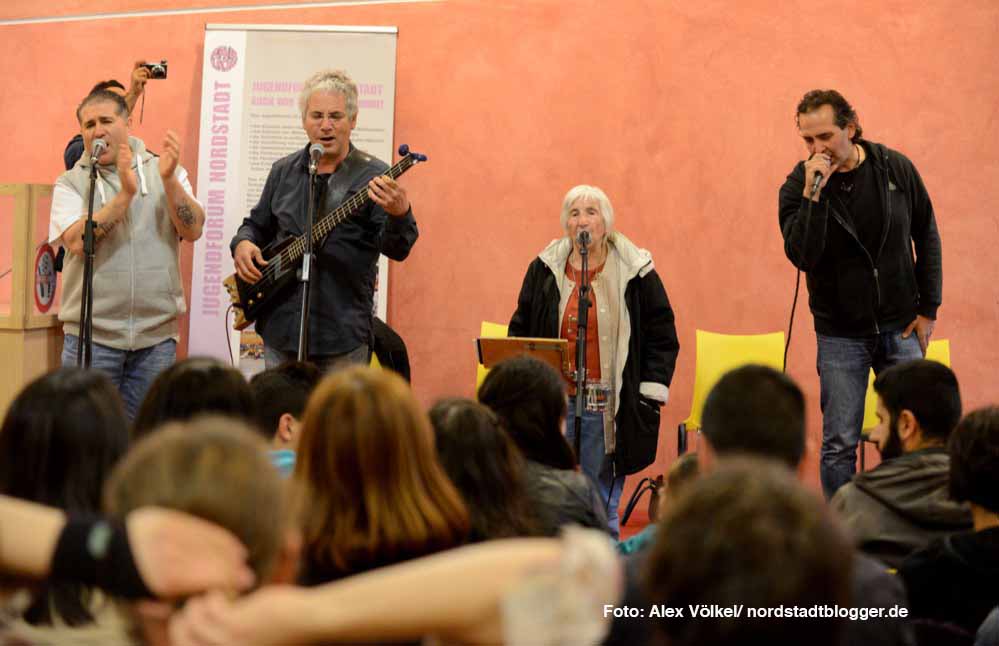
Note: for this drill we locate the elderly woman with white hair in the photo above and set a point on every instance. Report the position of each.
(631, 343)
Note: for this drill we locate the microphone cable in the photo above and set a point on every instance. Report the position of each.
(228, 341)
(797, 284)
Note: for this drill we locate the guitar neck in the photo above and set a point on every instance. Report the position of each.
(357, 201)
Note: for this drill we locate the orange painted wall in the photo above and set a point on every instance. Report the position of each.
(681, 111)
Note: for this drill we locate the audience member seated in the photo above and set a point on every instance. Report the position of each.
(218, 469)
(191, 387)
(280, 395)
(368, 487)
(759, 412)
(903, 503)
(749, 536)
(681, 473)
(953, 579)
(60, 439)
(529, 398)
(486, 467)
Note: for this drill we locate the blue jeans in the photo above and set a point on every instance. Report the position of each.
(844, 366)
(132, 371)
(326, 363)
(595, 463)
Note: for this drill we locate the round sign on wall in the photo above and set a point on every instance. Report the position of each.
(45, 278)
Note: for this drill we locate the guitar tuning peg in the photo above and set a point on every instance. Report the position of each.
(420, 157)
(404, 150)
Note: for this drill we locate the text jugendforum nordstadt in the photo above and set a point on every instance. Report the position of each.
(714, 611)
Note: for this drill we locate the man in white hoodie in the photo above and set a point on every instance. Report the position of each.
(143, 207)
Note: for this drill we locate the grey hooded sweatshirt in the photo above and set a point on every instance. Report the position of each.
(901, 505)
(137, 288)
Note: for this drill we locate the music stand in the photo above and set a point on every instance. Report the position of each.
(554, 352)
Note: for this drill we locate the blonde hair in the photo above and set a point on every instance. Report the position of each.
(337, 81)
(212, 467)
(367, 482)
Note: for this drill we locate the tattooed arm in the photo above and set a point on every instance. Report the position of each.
(108, 217)
(186, 214)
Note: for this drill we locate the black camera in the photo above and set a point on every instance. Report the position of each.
(156, 70)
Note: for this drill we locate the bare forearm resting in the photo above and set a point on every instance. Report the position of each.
(461, 594)
(28, 535)
(105, 220)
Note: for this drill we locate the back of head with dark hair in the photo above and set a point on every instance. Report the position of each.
(280, 390)
(928, 390)
(60, 439)
(842, 110)
(107, 85)
(529, 397)
(97, 96)
(749, 534)
(758, 411)
(486, 467)
(974, 459)
(192, 386)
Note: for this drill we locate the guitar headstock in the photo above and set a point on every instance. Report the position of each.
(417, 157)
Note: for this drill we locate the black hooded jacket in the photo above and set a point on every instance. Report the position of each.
(850, 292)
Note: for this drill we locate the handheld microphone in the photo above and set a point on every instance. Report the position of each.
(97, 148)
(315, 152)
(583, 238)
(816, 181)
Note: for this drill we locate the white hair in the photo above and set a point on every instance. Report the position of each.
(584, 191)
(330, 81)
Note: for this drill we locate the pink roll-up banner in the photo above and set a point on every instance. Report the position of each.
(250, 118)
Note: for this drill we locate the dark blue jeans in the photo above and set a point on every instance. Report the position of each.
(132, 371)
(595, 463)
(844, 366)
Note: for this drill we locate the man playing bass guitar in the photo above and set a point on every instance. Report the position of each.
(343, 276)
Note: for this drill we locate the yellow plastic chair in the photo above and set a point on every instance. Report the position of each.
(488, 330)
(717, 354)
(938, 350)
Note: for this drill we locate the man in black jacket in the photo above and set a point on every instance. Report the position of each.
(343, 282)
(850, 215)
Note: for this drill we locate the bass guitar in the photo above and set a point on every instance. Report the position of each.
(284, 256)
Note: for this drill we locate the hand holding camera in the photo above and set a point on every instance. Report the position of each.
(142, 72)
(156, 70)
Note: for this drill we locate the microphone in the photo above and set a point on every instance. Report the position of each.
(816, 181)
(97, 148)
(315, 152)
(583, 238)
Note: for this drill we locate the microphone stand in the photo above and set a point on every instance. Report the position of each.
(306, 274)
(582, 313)
(84, 349)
